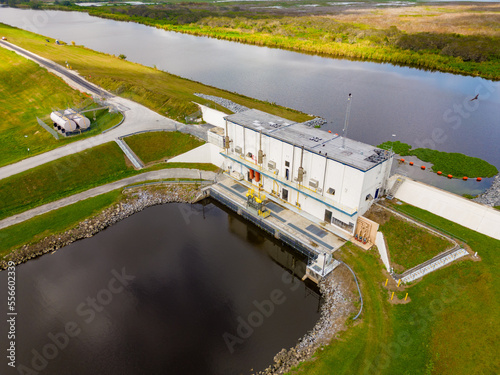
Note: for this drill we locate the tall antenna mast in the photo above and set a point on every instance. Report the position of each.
(346, 123)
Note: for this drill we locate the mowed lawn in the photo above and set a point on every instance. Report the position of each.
(73, 174)
(451, 326)
(28, 91)
(53, 222)
(165, 93)
(155, 146)
(62, 177)
(410, 245)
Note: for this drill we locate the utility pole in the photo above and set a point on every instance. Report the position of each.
(346, 123)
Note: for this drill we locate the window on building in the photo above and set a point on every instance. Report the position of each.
(331, 191)
(369, 197)
(287, 163)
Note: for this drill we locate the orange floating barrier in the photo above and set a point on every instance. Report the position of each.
(440, 173)
(465, 178)
(411, 163)
(329, 131)
(402, 160)
(422, 167)
(479, 179)
(450, 176)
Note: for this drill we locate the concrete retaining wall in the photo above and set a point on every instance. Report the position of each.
(207, 153)
(475, 216)
(213, 116)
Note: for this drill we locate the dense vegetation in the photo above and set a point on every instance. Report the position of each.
(456, 164)
(434, 332)
(320, 34)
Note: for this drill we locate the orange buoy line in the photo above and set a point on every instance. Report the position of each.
(423, 167)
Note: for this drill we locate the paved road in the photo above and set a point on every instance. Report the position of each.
(137, 118)
(154, 175)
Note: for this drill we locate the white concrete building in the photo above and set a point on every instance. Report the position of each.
(308, 168)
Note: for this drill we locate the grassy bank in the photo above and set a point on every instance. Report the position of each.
(453, 163)
(70, 175)
(28, 91)
(336, 35)
(54, 222)
(155, 146)
(410, 245)
(450, 326)
(165, 93)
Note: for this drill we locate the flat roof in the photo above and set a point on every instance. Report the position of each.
(356, 154)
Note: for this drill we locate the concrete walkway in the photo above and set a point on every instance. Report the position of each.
(154, 175)
(137, 118)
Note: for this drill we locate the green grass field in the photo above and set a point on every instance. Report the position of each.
(70, 175)
(57, 221)
(155, 146)
(410, 245)
(28, 91)
(450, 327)
(165, 93)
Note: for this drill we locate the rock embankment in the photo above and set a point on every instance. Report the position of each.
(135, 200)
(335, 309)
(226, 103)
(491, 197)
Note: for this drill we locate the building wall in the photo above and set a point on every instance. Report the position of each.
(207, 153)
(351, 185)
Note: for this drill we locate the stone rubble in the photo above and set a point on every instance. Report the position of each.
(236, 108)
(491, 197)
(335, 309)
(226, 103)
(318, 121)
(136, 200)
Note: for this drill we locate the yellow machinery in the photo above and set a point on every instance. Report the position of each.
(257, 202)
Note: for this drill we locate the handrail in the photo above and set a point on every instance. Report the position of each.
(359, 290)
